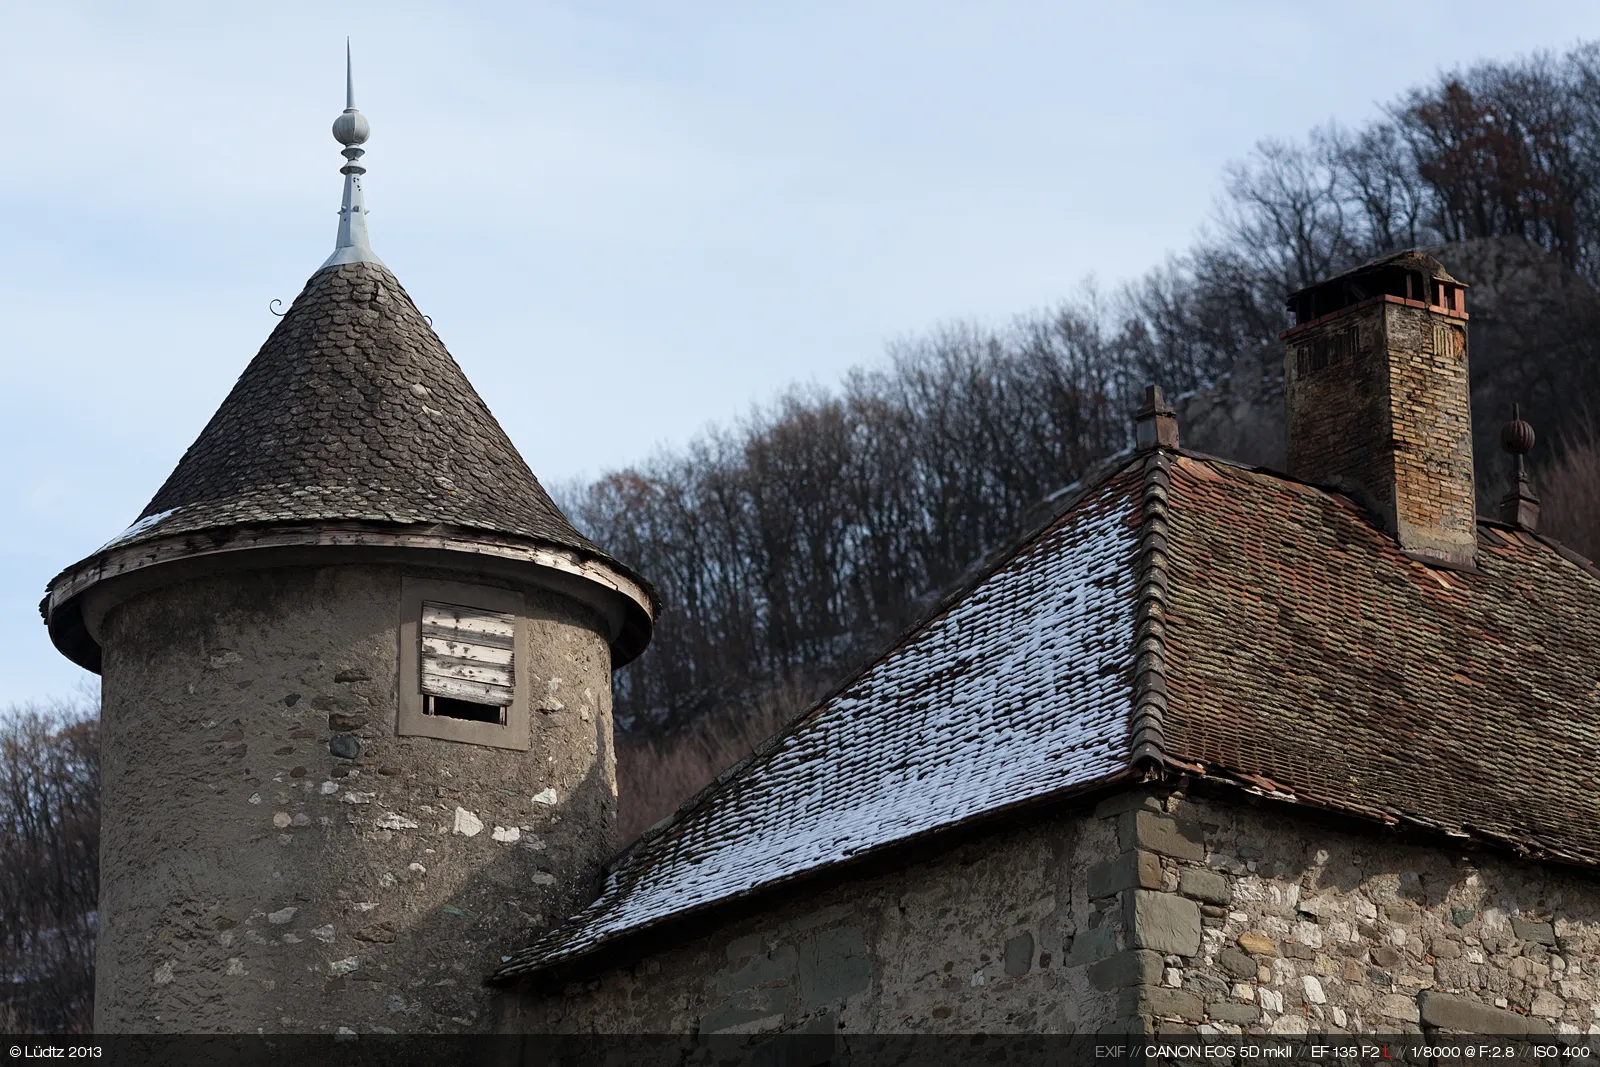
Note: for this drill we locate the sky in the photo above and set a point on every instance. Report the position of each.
(628, 221)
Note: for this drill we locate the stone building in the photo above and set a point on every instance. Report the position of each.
(1210, 746)
(1213, 747)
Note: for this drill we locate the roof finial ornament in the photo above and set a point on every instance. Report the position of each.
(1155, 425)
(1520, 507)
(351, 130)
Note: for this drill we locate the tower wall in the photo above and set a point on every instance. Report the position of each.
(254, 880)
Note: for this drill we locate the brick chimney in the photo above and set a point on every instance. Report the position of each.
(1375, 379)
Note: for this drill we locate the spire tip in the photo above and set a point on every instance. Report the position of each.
(351, 130)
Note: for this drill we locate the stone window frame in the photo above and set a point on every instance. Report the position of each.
(410, 720)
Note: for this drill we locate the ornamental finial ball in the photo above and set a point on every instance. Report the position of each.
(1517, 436)
(351, 128)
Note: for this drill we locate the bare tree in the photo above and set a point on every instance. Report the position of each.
(49, 865)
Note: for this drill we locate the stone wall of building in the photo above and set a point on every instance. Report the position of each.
(1309, 926)
(274, 857)
(996, 935)
(1157, 911)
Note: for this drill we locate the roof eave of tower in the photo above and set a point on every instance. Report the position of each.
(605, 578)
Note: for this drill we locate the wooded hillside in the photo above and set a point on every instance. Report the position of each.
(792, 542)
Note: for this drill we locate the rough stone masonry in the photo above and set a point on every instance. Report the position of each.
(290, 863)
(1156, 911)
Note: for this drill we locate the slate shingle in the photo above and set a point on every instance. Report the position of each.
(353, 410)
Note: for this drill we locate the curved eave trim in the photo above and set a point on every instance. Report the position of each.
(63, 604)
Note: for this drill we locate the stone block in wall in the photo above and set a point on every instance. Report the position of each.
(1091, 945)
(1134, 967)
(833, 965)
(1019, 955)
(1397, 1006)
(1159, 1000)
(1235, 964)
(1164, 922)
(1130, 870)
(1177, 838)
(1449, 1012)
(1209, 886)
(1227, 1011)
(1258, 944)
(1132, 800)
(1538, 933)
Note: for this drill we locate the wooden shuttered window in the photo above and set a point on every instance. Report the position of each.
(468, 654)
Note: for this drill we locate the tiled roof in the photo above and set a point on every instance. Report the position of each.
(353, 410)
(1304, 649)
(1228, 622)
(1018, 690)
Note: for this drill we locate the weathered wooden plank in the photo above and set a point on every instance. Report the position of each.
(469, 651)
(491, 627)
(462, 689)
(451, 667)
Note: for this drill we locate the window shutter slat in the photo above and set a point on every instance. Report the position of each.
(467, 653)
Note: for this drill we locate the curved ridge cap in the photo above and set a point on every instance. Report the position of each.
(1147, 720)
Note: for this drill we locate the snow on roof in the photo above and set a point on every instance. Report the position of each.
(1021, 688)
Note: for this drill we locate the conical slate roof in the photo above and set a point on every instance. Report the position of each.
(352, 427)
(353, 410)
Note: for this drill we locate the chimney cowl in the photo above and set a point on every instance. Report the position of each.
(1411, 277)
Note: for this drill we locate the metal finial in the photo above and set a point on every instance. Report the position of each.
(1520, 506)
(351, 129)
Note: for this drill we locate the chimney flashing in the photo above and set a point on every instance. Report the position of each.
(1448, 563)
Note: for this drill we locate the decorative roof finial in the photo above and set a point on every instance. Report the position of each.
(1155, 424)
(1519, 507)
(351, 130)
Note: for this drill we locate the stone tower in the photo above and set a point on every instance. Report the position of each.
(1378, 400)
(356, 677)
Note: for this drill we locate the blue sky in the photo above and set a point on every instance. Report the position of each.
(627, 220)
